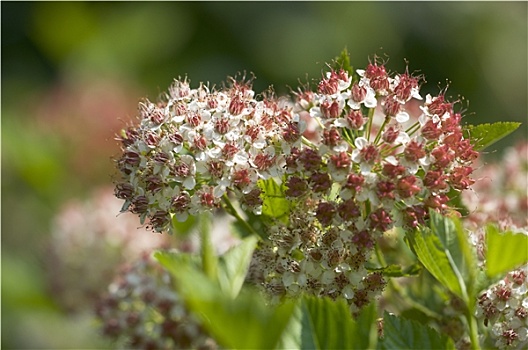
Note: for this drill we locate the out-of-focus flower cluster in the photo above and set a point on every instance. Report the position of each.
(349, 178)
(90, 105)
(142, 310)
(500, 194)
(87, 242)
(504, 307)
(500, 197)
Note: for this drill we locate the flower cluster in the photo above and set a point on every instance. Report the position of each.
(500, 197)
(504, 307)
(500, 193)
(359, 177)
(348, 156)
(197, 144)
(142, 310)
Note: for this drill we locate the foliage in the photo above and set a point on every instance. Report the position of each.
(484, 135)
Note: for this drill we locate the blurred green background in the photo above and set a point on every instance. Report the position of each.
(73, 72)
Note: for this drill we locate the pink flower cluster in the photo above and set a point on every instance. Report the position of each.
(84, 229)
(500, 194)
(197, 144)
(352, 183)
(350, 173)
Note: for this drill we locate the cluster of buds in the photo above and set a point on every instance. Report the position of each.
(504, 307)
(349, 176)
(196, 145)
(142, 311)
(351, 183)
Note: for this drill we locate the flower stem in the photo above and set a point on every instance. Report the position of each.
(378, 136)
(369, 122)
(230, 209)
(473, 330)
(209, 261)
(413, 128)
(307, 142)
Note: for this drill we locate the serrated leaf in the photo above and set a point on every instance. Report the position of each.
(401, 333)
(331, 322)
(233, 266)
(432, 254)
(322, 323)
(366, 333)
(299, 331)
(444, 250)
(505, 250)
(453, 239)
(275, 206)
(484, 135)
(245, 322)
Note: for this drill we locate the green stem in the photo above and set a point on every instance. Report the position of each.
(378, 135)
(307, 142)
(230, 209)
(473, 330)
(209, 262)
(369, 122)
(413, 128)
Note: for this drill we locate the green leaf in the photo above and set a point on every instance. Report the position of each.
(484, 135)
(505, 250)
(333, 326)
(444, 250)
(237, 320)
(401, 333)
(233, 266)
(366, 333)
(299, 331)
(275, 206)
(172, 260)
(183, 228)
(245, 322)
(432, 254)
(438, 249)
(343, 61)
(321, 323)
(454, 239)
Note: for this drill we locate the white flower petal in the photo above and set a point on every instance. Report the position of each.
(402, 117)
(360, 142)
(189, 183)
(370, 99)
